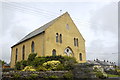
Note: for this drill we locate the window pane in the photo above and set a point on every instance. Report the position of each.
(16, 55)
(80, 57)
(67, 27)
(23, 53)
(77, 42)
(32, 47)
(53, 52)
(74, 42)
(60, 38)
(56, 37)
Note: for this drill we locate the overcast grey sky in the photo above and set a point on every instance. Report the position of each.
(96, 21)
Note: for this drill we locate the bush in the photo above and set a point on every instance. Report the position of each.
(68, 65)
(72, 59)
(18, 65)
(29, 68)
(66, 62)
(113, 71)
(21, 64)
(101, 75)
(41, 68)
(51, 65)
(24, 63)
(99, 72)
(69, 62)
(38, 61)
(59, 57)
(31, 58)
(118, 71)
(60, 67)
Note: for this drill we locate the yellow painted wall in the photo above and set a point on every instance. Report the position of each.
(38, 40)
(68, 38)
(46, 42)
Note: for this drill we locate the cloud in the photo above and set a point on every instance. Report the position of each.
(105, 19)
(104, 25)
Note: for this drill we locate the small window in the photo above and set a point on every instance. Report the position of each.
(67, 27)
(77, 42)
(80, 55)
(53, 52)
(56, 37)
(16, 56)
(74, 42)
(32, 47)
(60, 38)
(23, 52)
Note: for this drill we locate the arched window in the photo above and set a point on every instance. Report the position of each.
(32, 47)
(23, 52)
(68, 51)
(80, 55)
(53, 52)
(60, 38)
(74, 42)
(56, 37)
(77, 42)
(16, 55)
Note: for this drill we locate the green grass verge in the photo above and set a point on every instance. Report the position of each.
(111, 75)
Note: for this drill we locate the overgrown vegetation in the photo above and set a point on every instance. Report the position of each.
(111, 75)
(100, 73)
(31, 58)
(51, 65)
(18, 66)
(2, 62)
(29, 68)
(113, 71)
(46, 63)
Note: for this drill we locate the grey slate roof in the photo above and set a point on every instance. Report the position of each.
(100, 63)
(93, 62)
(37, 31)
(106, 63)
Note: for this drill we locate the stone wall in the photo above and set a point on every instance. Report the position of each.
(83, 71)
(28, 73)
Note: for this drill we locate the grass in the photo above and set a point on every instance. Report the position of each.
(111, 75)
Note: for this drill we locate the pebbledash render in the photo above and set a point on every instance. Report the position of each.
(58, 37)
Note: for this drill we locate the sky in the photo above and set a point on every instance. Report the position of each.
(96, 21)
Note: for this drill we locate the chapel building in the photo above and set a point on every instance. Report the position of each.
(58, 37)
